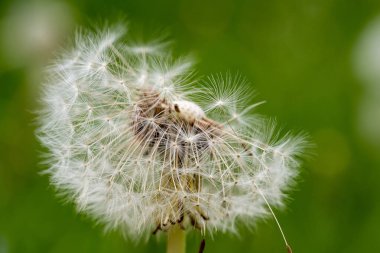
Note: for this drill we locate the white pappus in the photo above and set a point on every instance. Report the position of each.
(139, 145)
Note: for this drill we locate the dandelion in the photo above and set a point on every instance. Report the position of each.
(139, 145)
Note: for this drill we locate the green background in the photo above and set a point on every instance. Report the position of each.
(297, 54)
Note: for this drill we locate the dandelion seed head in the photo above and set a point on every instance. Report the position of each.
(136, 143)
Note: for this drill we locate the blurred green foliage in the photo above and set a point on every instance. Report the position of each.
(297, 55)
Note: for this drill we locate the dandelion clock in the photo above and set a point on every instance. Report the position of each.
(139, 145)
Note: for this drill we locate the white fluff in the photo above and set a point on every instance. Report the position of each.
(188, 111)
(124, 155)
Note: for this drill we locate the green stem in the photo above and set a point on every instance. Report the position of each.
(176, 240)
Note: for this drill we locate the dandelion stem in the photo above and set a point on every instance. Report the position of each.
(176, 240)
